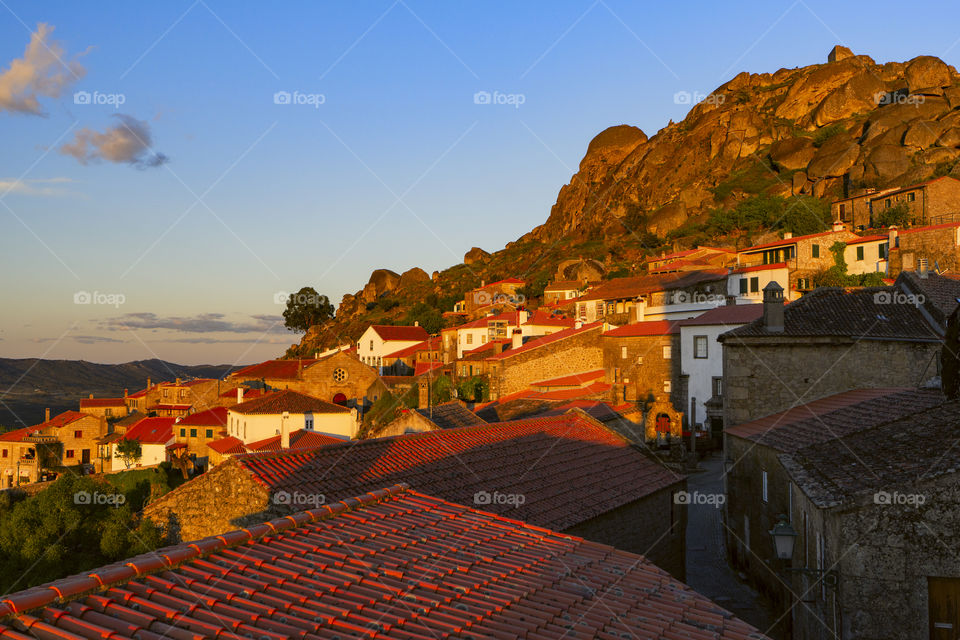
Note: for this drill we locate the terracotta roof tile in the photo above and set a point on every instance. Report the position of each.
(451, 415)
(287, 400)
(62, 420)
(151, 430)
(634, 286)
(299, 439)
(647, 328)
(393, 563)
(729, 314)
(403, 333)
(275, 369)
(90, 403)
(432, 344)
(227, 446)
(216, 417)
(545, 340)
(571, 380)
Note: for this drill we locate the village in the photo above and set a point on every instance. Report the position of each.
(589, 412)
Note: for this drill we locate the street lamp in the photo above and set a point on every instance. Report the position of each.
(784, 536)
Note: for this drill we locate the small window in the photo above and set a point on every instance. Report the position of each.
(469, 338)
(5, 453)
(78, 434)
(193, 433)
(843, 210)
(815, 249)
(183, 433)
(717, 387)
(667, 386)
(623, 353)
(763, 485)
(860, 253)
(743, 286)
(108, 412)
(911, 197)
(667, 352)
(371, 345)
(69, 453)
(882, 251)
(886, 203)
(754, 284)
(699, 346)
(209, 433)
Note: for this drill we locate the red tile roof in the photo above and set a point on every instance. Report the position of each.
(433, 344)
(151, 430)
(786, 241)
(648, 328)
(729, 314)
(543, 319)
(504, 281)
(299, 439)
(761, 267)
(18, 435)
(227, 446)
(945, 225)
(862, 239)
(572, 380)
(634, 286)
(276, 369)
(90, 403)
(248, 394)
(487, 346)
(62, 420)
(545, 340)
(392, 332)
(287, 400)
(216, 417)
(393, 563)
(510, 316)
(169, 406)
(423, 367)
(582, 468)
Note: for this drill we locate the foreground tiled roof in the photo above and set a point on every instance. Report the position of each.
(940, 293)
(545, 340)
(403, 333)
(90, 403)
(390, 564)
(299, 439)
(273, 369)
(451, 415)
(151, 430)
(216, 417)
(287, 400)
(733, 314)
(835, 416)
(867, 313)
(569, 467)
(901, 456)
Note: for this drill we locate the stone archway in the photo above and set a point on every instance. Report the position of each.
(662, 414)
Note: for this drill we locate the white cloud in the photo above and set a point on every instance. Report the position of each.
(129, 142)
(43, 71)
(34, 187)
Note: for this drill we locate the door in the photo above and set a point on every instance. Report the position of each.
(663, 423)
(85, 456)
(943, 595)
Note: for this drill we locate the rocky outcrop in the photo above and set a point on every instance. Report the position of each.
(848, 121)
(475, 255)
(413, 276)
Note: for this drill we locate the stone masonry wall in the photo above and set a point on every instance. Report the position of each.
(578, 353)
(936, 245)
(764, 378)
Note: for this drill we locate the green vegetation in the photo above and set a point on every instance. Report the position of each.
(385, 408)
(896, 215)
(429, 317)
(129, 451)
(441, 390)
(754, 178)
(837, 276)
(944, 168)
(825, 133)
(619, 272)
(475, 389)
(305, 309)
(77, 523)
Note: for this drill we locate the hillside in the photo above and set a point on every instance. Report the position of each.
(764, 142)
(28, 386)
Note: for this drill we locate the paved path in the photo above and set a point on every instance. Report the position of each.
(707, 568)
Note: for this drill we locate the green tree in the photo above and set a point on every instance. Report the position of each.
(897, 215)
(129, 451)
(430, 319)
(305, 309)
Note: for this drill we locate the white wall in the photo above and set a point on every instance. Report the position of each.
(871, 262)
(371, 347)
(764, 276)
(701, 371)
(150, 455)
(254, 427)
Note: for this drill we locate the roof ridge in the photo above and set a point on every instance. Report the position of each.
(72, 587)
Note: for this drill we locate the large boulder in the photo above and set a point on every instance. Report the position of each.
(950, 138)
(383, 281)
(839, 53)
(927, 71)
(835, 157)
(887, 161)
(809, 91)
(475, 255)
(922, 134)
(856, 95)
(793, 153)
(413, 276)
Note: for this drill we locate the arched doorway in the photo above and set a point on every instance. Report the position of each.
(340, 399)
(663, 424)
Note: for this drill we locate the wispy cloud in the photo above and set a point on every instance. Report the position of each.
(35, 187)
(201, 323)
(96, 339)
(128, 142)
(43, 71)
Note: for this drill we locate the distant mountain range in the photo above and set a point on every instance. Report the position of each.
(30, 385)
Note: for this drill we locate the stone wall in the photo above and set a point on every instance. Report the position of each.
(938, 246)
(654, 526)
(575, 354)
(622, 365)
(768, 375)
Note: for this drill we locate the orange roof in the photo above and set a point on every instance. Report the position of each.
(400, 332)
(761, 267)
(300, 439)
(544, 319)
(90, 403)
(62, 420)
(289, 401)
(511, 317)
(544, 340)
(426, 367)
(486, 346)
(786, 241)
(648, 328)
(572, 380)
(17, 435)
(227, 446)
(274, 369)
(634, 286)
(427, 345)
(862, 239)
(248, 394)
(151, 430)
(504, 281)
(216, 417)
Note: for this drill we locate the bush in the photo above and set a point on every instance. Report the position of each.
(897, 215)
(825, 133)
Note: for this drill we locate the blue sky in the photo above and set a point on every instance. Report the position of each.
(398, 167)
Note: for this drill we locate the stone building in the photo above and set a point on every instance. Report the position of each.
(937, 245)
(406, 361)
(106, 408)
(930, 202)
(449, 415)
(197, 430)
(503, 293)
(696, 259)
(382, 340)
(804, 256)
(283, 412)
(25, 456)
(759, 489)
(880, 542)
(854, 211)
(586, 481)
(831, 340)
(669, 296)
(559, 291)
(557, 354)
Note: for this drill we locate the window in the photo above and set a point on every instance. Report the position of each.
(183, 433)
(860, 253)
(209, 433)
(843, 210)
(339, 374)
(886, 203)
(699, 346)
(108, 412)
(667, 352)
(667, 386)
(69, 453)
(193, 433)
(882, 251)
(815, 249)
(911, 197)
(623, 353)
(717, 384)
(743, 286)
(763, 486)
(308, 422)
(469, 338)
(371, 345)
(4, 453)
(78, 434)
(754, 284)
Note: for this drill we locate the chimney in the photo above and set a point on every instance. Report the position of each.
(239, 395)
(46, 415)
(497, 348)
(125, 392)
(517, 339)
(148, 384)
(91, 396)
(773, 307)
(483, 283)
(837, 226)
(731, 301)
(285, 430)
(787, 235)
(177, 383)
(640, 310)
(416, 323)
(922, 268)
(424, 397)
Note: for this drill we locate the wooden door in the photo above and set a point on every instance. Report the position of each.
(944, 598)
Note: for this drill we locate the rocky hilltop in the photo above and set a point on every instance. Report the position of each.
(819, 130)
(825, 130)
